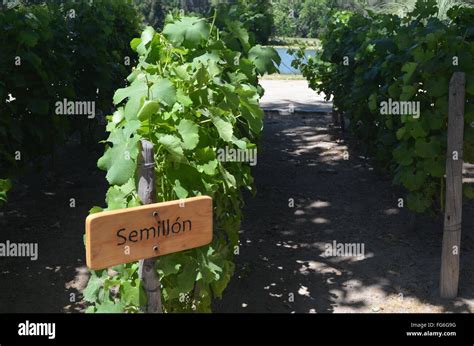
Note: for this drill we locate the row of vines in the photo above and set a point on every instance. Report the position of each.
(375, 58)
(194, 91)
(74, 50)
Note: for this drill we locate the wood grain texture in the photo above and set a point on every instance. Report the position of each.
(105, 249)
(147, 193)
(449, 278)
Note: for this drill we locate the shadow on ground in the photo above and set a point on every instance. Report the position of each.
(48, 207)
(338, 197)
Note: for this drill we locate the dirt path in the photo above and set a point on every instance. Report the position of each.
(282, 95)
(282, 265)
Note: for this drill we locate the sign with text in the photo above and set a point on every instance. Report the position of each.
(127, 235)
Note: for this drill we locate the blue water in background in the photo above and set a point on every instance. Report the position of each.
(286, 59)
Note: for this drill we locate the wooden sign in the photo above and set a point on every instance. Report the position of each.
(127, 235)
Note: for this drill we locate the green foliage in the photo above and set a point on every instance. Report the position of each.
(154, 12)
(115, 291)
(403, 59)
(51, 52)
(402, 7)
(255, 16)
(285, 14)
(5, 186)
(191, 94)
(301, 18)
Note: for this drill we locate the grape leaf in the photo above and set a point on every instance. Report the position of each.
(223, 127)
(120, 160)
(109, 307)
(164, 91)
(172, 145)
(138, 88)
(188, 31)
(265, 59)
(189, 133)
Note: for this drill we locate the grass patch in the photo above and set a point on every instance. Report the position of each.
(278, 76)
(294, 42)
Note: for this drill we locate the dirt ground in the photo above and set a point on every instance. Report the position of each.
(282, 266)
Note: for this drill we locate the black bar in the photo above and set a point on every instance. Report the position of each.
(219, 329)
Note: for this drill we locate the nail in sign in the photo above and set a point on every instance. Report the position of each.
(127, 235)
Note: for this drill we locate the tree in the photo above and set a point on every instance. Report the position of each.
(285, 14)
(255, 16)
(312, 17)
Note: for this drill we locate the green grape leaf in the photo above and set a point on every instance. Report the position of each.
(407, 92)
(130, 294)
(180, 191)
(253, 114)
(415, 129)
(208, 168)
(148, 109)
(182, 72)
(437, 86)
(223, 127)
(172, 145)
(373, 102)
(427, 149)
(239, 31)
(394, 90)
(265, 59)
(28, 37)
(93, 286)
(147, 35)
(183, 99)
(118, 115)
(241, 144)
(132, 107)
(164, 91)
(168, 265)
(418, 202)
(409, 68)
(109, 307)
(189, 132)
(228, 177)
(187, 277)
(95, 209)
(436, 166)
(134, 43)
(5, 186)
(412, 180)
(138, 88)
(117, 196)
(401, 133)
(120, 160)
(402, 155)
(189, 32)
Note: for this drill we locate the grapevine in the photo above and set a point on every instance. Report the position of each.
(194, 91)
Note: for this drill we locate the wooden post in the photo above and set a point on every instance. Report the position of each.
(453, 208)
(147, 193)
